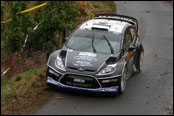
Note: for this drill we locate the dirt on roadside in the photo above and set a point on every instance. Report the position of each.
(19, 105)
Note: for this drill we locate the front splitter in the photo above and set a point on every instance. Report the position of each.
(113, 89)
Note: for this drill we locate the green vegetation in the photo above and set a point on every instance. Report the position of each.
(171, 2)
(24, 84)
(96, 5)
(56, 18)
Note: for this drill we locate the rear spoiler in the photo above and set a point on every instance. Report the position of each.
(123, 18)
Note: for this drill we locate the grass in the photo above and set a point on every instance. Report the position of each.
(23, 84)
(25, 93)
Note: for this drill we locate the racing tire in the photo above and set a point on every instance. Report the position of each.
(122, 82)
(140, 58)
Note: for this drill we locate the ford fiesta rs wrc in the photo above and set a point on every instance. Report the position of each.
(99, 56)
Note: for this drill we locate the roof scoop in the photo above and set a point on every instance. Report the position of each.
(99, 29)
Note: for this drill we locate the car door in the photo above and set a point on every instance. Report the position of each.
(129, 49)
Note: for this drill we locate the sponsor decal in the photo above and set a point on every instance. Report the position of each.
(128, 55)
(81, 69)
(86, 58)
(79, 80)
(102, 24)
(87, 54)
(83, 63)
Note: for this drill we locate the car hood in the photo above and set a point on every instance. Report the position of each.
(85, 61)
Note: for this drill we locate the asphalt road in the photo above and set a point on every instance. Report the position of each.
(149, 92)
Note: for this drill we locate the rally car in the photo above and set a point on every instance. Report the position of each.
(99, 56)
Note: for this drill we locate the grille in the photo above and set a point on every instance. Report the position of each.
(80, 81)
(55, 77)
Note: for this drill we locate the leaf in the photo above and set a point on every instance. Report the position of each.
(147, 87)
(155, 55)
(53, 103)
(13, 100)
(165, 72)
(58, 98)
(170, 112)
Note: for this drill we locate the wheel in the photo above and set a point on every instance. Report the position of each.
(123, 82)
(140, 58)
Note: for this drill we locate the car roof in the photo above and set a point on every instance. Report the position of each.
(110, 25)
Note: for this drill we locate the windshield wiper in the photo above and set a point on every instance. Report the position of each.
(112, 50)
(93, 43)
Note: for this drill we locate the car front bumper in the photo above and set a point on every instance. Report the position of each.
(113, 89)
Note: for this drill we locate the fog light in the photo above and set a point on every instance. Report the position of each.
(111, 80)
(52, 72)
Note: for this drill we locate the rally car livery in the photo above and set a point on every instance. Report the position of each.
(99, 56)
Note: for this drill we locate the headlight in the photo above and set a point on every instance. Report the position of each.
(108, 70)
(59, 64)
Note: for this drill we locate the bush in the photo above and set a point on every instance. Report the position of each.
(57, 17)
(96, 5)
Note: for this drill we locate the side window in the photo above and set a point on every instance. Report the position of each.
(132, 32)
(127, 40)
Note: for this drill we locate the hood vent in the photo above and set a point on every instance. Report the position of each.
(63, 54)
(111, 60)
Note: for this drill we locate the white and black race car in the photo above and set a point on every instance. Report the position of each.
(99, 56)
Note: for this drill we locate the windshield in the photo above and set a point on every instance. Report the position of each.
(94, 41)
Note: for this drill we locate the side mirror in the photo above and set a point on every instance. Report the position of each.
(131, 48)
(66, 38)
